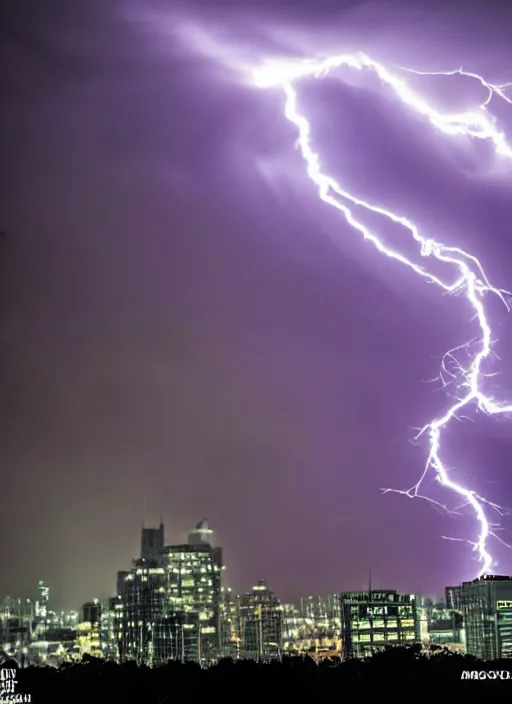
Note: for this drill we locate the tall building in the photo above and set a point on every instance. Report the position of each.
(453, 598)
(16, 622)
(91, 612)
(230, 624)
(323, 610)
(487, 611)
(168, 604)
(193, 589)
(140, 615)
(152, 543)
(42, 603)
(261, 623)
(110, 621)
(371, 620)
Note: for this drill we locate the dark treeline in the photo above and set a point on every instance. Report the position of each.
(397, 675)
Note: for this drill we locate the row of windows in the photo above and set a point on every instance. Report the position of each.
(381, 623)
(390, 636)
(364, 611)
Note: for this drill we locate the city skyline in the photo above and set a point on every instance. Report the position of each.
(159, 548)
(225, 357)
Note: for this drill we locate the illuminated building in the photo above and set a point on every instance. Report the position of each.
(322, 609)
(17, 621)
(316, 634)
(142, 612)
(230, 624)
(193, 587)
(168, 607)
(111, 627)
(487, 609)
(261, 623)
(42, 603)
(453, 598)
(87, 640)
(371, 620)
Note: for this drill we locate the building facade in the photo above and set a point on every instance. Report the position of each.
(141, 614)
(193, 585)
(372, 620)
(231, 624)
(261, 623)
(152, 543)
(168, 605)
(487, 610)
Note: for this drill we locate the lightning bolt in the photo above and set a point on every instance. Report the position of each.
(463, 366)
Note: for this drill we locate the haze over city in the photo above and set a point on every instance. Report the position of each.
(187, 331)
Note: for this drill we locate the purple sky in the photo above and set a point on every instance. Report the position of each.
(181, 317)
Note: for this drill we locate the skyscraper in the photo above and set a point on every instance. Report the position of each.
(168, 604)
(487, 611)
(262, 623)
(141, 618)
(231, 627)
(42, 603)
(152, 543)
(194, 590)
(91, 612)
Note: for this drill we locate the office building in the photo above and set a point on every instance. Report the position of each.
(168, 604)
(193, 586)
(453, 598)
(42, 603)
(373, 619)
(230, 624)
(444, 627)
(487, 610)
(141, 613)
(261, 623)
(152, 543)
(91, 612)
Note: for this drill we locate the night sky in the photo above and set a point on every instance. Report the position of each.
(181, 318)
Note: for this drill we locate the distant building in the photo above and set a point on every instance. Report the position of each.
(152, 543)
(314, 628)
(17, 621)
(230, 624)
(120, 581)
(91, 612)
(42, 603)
(168, 604)
(487, 610)
(453, 598)
(111, 627)
(321, 609)
(193, 584)
(444, 626)
(371, 620)
(87, 640)
(141, 615)
(261, 623)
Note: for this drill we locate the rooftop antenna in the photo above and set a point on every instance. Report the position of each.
(370, 585)
(145, 511)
